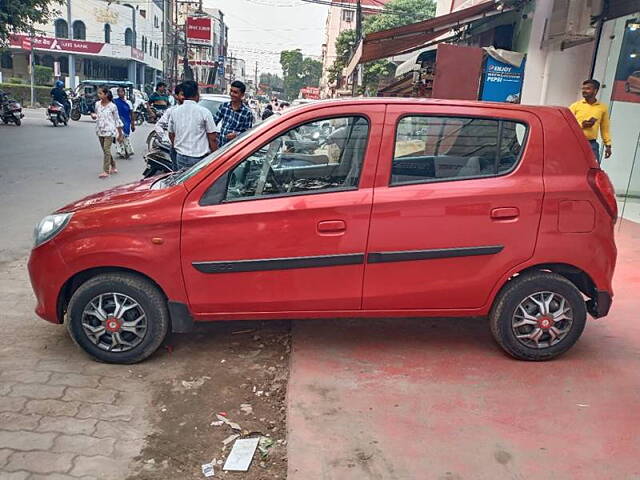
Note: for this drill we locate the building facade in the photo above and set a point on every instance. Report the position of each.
(341, 17)
(94, 39)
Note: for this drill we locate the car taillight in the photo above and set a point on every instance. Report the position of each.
(603, 187)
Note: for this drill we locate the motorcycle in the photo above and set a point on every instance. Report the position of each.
(158, 160)
(149, 115)
(56, 114)
(10, 110)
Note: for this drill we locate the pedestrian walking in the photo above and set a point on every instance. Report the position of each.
(268, 111)
(162, 126)
(234, 117)
(592, 116)
(108, 126)
(192, 131)
(125, 112)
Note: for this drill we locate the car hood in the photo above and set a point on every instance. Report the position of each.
(130, 192)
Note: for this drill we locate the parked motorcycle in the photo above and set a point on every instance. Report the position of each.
(158, 160)
(56, 114)
(10, 110)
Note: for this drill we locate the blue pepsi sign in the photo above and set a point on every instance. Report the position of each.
(501, 82)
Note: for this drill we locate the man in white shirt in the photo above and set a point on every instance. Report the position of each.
(192, 131)
(162, 125)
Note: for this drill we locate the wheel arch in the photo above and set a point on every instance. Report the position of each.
(72, 284)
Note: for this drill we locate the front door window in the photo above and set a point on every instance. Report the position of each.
(325, 155)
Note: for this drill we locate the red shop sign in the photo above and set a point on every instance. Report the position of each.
(199, 30)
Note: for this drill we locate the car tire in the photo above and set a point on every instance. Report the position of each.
(127, 290)
(529, 306)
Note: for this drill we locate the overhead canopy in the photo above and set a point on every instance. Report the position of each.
(412, 37)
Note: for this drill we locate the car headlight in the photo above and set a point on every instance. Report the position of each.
(49, 227)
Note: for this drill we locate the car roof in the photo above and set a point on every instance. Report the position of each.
(215, 96)
(361, 101)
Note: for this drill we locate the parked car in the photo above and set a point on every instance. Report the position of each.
(408, 208)
(212, 102)
(632, 85)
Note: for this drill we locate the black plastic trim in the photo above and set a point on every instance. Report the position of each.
(235, 266)
(405, 256)
(600, 304)
(181, 319)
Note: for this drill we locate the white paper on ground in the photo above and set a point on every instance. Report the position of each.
(207, 469)
(241, 454)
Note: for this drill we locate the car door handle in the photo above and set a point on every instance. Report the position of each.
(332, 226)
(505, 213)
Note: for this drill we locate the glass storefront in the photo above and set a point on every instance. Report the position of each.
(618, 68)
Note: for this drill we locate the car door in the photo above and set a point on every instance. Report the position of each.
(287, 227)
(457, 203)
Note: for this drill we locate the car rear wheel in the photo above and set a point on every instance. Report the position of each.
(538, 316)
(118, 318)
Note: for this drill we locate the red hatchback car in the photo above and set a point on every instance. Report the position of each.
(357, 208)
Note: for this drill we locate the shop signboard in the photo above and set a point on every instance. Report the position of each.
(199, 30)
(501, 82)
(311, 93)
(137, 54)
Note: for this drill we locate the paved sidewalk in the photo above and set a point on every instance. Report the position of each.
(437, 399)
(62, 415)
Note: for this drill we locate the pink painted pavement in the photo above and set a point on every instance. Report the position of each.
(437, 399)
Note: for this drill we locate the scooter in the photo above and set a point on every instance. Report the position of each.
(56, 114)
(10, 110)
(158, 160)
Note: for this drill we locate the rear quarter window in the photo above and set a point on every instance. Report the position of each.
(445, 148)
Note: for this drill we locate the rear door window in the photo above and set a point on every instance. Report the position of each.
(442, 148)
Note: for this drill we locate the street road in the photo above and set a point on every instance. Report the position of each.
(43, 168)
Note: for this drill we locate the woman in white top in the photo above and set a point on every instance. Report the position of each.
(108, 124)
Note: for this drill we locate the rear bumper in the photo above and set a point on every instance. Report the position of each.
(599, 305)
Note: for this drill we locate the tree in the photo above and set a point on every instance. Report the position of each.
(311, 72)
(396, 13)
(18, 16)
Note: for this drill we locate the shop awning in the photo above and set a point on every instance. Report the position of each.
(411, 37)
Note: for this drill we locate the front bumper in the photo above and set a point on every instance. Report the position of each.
(600, 304)
(48, 273)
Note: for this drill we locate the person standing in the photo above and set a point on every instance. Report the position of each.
(592, 116)
(108, 125)
(268, 111)
(125, 111)
(162, 126)
(234, 117)
(192, 131)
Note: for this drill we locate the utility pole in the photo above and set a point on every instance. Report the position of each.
(72, 60)
(255, 84)
(356, 72)
(31, 68)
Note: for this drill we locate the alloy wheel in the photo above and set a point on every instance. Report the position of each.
(114, 322)
(542, 320)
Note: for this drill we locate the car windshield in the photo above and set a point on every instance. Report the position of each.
(183, 175)
(211, 105)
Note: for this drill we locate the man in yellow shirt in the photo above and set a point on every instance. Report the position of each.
(593, 116)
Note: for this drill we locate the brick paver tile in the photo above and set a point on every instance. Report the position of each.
(108, 467)
(83, 445)
(37, 391)
(59, 476)
(68, 425)
(15, 475)
(26, 440)
(5, 387)
(4, 455)
(51, 407)
(90, 395)
(12, 404)
(120, 430)
(106, 412)
(60, 366)
(24, 376)
(122, 384)
(18, 421)
(40, 462)
(74, 380)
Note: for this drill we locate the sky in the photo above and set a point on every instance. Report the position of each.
(260, 29)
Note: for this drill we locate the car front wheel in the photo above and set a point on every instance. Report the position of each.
(118, 318)
(538, 316)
